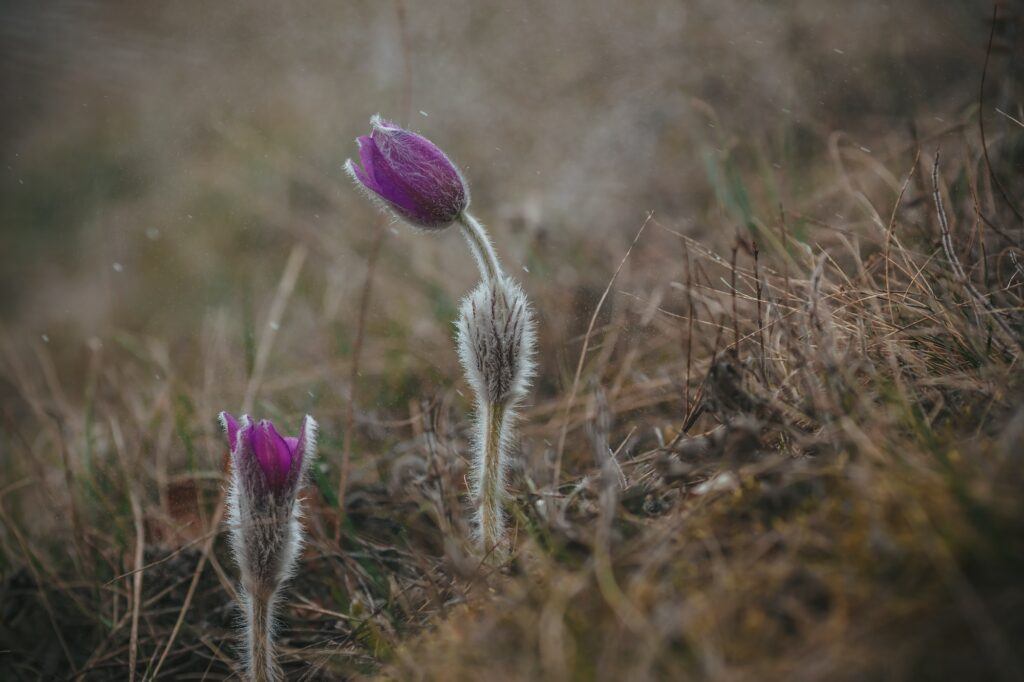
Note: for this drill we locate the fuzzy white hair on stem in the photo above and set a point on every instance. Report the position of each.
(496, 340)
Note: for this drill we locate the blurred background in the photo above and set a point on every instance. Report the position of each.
(160, 159)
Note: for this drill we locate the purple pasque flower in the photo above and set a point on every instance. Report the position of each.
(410, 176)
(266, 460)
(264, 512)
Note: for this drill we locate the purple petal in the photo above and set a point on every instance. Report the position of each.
(423, 165)
(388, 184)
(272, 453)
(429, 167)
(230, 426)
(296, 462)
(365, 176)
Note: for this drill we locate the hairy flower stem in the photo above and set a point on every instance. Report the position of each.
(496, 341)
(480, 245)
(491, 484)
(262, 666)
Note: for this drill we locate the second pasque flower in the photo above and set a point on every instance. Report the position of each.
(268, 471)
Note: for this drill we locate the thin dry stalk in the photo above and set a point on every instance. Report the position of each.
(557, 469)
(732, 295)
(1014, 343)
(981, 117)
(285, 287)
(218, 515)
(140, 546)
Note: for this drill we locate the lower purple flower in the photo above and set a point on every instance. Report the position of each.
(268, 470)
(266, 460)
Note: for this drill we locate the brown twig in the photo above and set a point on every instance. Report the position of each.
(760, 317)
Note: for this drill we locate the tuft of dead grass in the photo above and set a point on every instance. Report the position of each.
(845, 505)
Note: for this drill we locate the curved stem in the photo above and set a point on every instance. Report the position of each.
(491, 469)
(480, 245)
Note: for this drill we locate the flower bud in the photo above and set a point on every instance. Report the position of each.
(408, 175)
(496, 346)
(268, 471)
(496, 341)
(267, 462)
